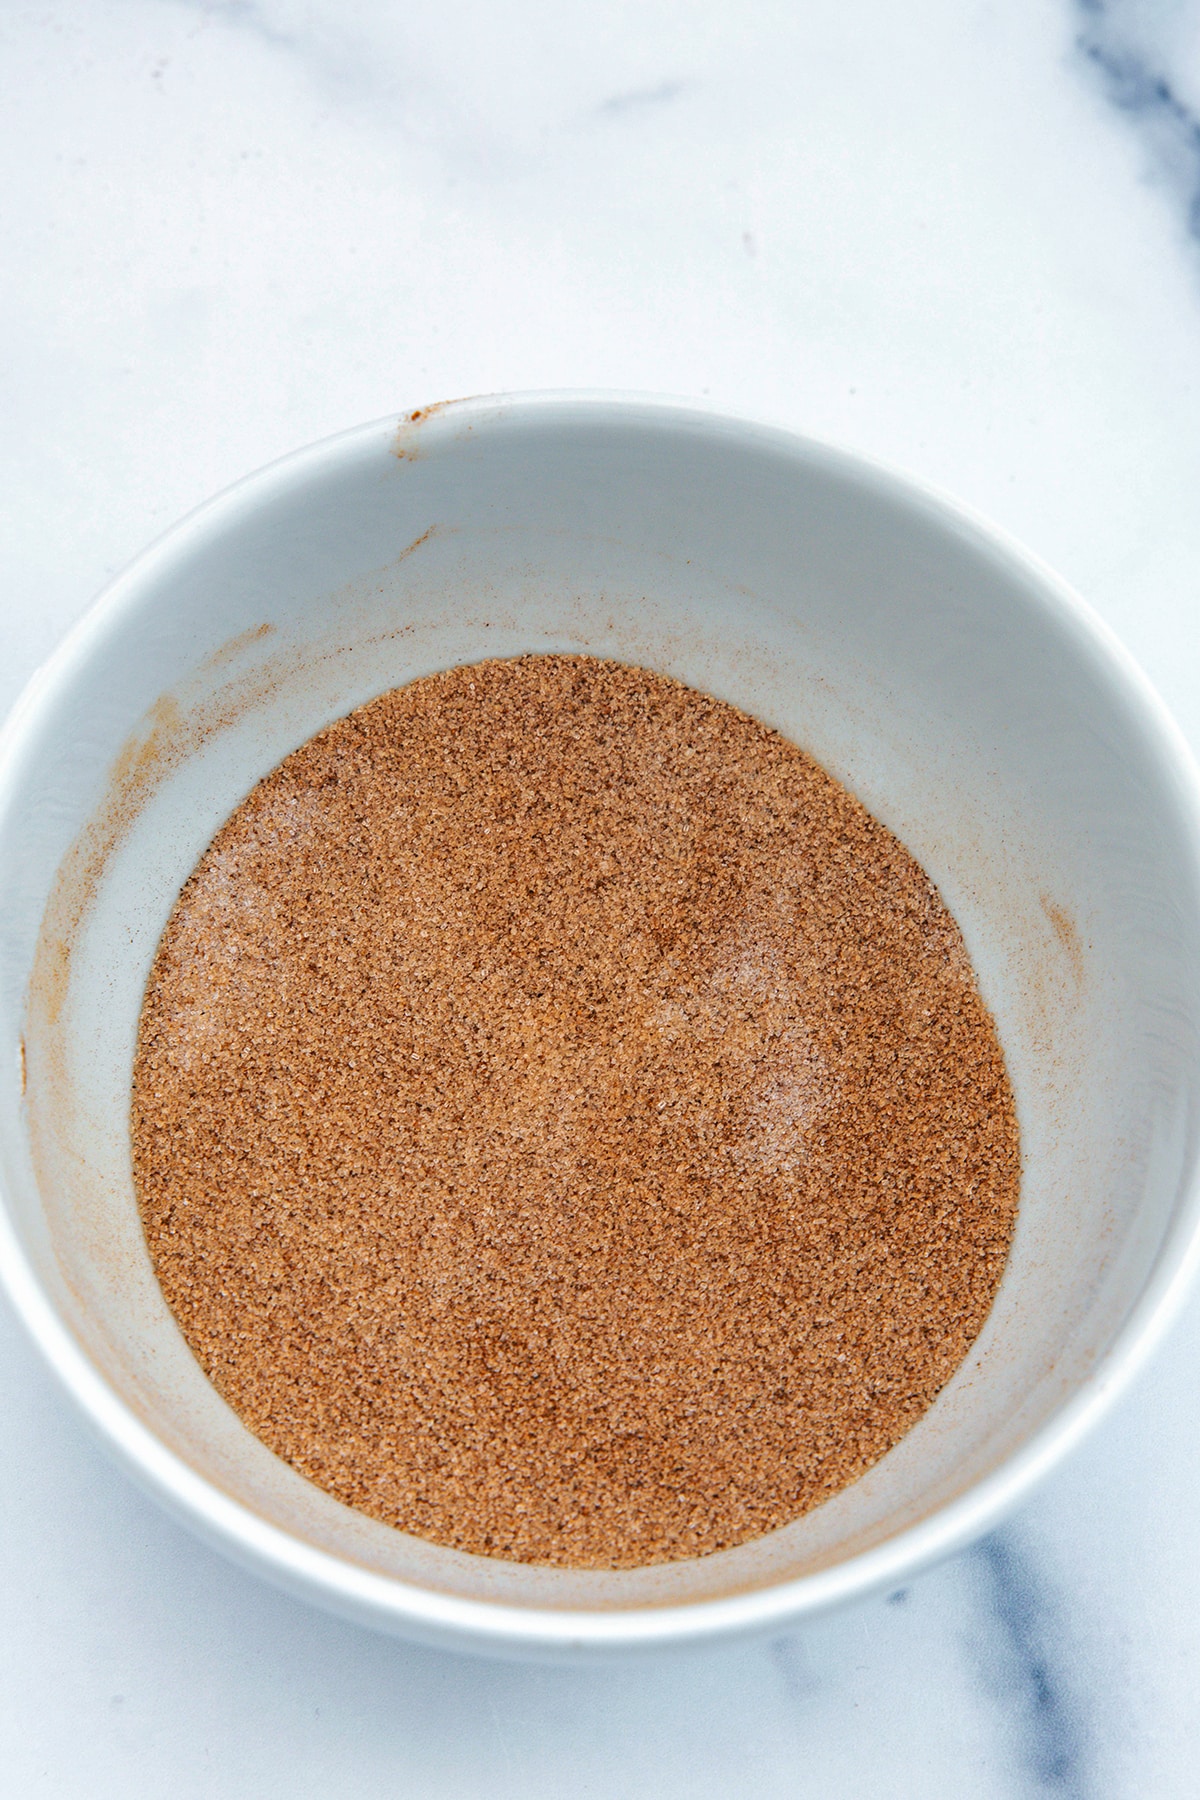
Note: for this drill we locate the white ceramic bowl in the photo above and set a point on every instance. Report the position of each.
(971, 702)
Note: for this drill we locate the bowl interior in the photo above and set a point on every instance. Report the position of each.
(971, 710)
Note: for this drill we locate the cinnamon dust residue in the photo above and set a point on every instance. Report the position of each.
(565, 1122)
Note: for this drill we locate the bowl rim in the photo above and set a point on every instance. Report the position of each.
(490, 1627)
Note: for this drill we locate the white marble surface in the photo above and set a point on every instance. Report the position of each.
(960, 234)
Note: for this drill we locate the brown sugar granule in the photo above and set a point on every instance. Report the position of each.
(565, 1122)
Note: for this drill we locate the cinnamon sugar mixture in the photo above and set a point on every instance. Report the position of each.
(565, 1122)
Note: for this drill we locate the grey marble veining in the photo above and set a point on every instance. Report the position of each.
(636, 98)
(1146, 56)
(1030, 1668)
(249, 15)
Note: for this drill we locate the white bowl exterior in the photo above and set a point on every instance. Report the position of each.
(970, 702)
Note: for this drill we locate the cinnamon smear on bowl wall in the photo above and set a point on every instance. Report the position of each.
(565, 1123)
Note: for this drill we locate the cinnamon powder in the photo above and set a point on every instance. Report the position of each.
(565, 1122)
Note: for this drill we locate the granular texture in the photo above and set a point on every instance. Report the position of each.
(565, 1122)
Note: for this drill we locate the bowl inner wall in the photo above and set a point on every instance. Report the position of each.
(905, 653)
